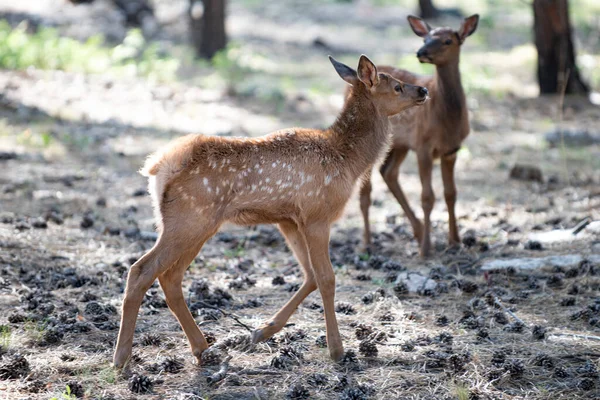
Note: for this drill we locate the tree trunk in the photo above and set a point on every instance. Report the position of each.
(207, 26)
(556, 69)
(428, 10)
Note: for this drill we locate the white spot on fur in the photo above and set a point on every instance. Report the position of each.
(327, 180)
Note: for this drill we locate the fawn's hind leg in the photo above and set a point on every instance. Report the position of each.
(390, 170)
(174, 247)
(170, 281)
(141, 276)
(298, 245)
(448, 163)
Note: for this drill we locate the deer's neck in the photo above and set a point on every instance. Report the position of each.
(360, 134)
(450, 91)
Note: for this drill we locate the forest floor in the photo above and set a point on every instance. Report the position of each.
(74, 215)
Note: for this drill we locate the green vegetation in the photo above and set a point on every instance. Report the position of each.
(46, 49)
(5, 336)
(66, 395)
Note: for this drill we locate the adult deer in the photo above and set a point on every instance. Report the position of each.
(298, 178)
(433, 131)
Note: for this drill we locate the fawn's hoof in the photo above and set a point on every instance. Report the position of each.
(197, 353)
(257, 336)
(119, 362)
(263, 333)
(336, 354)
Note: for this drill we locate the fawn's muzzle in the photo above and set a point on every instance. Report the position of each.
(423, 92)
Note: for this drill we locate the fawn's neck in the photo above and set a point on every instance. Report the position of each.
(360, 133)
(450, 90)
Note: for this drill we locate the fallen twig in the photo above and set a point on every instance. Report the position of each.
(575, 335)
(506, 310)
(221, 373)
(258, 372)
(227, 314)
(581, 225)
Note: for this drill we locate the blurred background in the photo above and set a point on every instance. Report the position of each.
(105, 82)
(88, 88)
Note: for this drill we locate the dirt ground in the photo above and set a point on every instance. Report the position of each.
(74, 215)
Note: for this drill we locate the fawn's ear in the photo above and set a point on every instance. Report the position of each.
(420, 27)
(367, 72)
(468, 26)
(344, 71)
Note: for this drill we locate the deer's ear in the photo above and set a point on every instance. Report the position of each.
(367, 72)
(468, 26)
(419, 27)
(344, 71)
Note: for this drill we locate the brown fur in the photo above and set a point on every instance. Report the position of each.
(298, 178)
(435, 130)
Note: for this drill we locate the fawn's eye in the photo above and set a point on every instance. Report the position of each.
(399, 89)
(448, 41)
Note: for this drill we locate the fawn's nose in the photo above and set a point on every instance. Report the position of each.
(422, 53)
(423, 91)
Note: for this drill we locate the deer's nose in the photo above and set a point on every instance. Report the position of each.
(422, 53)
(423, 91)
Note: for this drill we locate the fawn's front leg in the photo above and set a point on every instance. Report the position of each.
(448, 163)
(365, 204)
(317, 238)
(298, 245)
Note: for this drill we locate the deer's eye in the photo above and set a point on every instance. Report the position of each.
(448, 41)
(398, 89)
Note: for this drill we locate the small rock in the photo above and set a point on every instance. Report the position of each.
(39, 223)
(533, 245)
(139, 192)
(538, 332)
(87, 222)
(524, 172)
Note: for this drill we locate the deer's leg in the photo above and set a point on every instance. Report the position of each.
(298, 245)
(317, 238)
(390, 170)
(175, 247)
(170, 281)
(450, 196)
(427, 199)
(365, 204)
(141, 276)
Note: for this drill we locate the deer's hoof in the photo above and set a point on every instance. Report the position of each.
(336, 354)
(263, 333)
(120, 362)
(257, 336)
